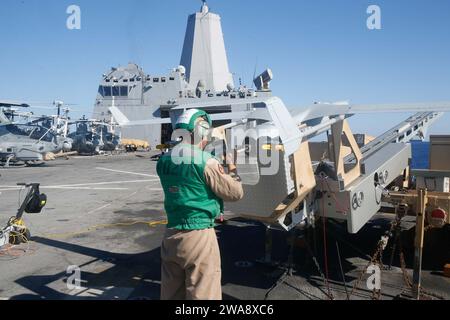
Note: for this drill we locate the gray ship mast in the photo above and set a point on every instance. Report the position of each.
(203, 74)
(204, 55)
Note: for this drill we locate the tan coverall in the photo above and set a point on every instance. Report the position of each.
(191, 264)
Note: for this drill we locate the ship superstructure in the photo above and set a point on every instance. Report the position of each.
(202, 75)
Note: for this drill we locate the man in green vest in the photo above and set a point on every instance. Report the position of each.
(195, 185)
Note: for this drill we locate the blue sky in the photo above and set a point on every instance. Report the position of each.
(319, 50)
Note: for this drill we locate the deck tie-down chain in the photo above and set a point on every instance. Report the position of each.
(376, 259)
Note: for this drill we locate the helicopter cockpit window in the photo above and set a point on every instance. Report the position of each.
(32, 132)
(18, 130)
(42, 134)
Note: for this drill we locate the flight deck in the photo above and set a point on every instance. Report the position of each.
(105, 214)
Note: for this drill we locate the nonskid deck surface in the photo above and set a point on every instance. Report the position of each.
(105, 215)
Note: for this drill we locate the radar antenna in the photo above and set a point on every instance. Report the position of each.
(204, 8)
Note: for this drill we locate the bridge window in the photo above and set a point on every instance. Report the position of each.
(116, 91)
(124, 91)
(107, 91)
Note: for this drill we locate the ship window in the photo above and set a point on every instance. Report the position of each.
(139, 79)
(106, 91)
(132, 80)
(155, 79)
(124, 91)
(100, 91)
(125, 80)
(163, 79)
(108, 80)
(116, 91)
(171, 78)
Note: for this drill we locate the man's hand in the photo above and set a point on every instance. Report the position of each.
(230, 160)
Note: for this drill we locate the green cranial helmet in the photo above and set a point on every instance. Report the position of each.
(188, 119)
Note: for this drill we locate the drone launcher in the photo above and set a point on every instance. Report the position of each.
(289, 180)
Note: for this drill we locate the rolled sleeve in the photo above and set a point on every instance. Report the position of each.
(223, 185)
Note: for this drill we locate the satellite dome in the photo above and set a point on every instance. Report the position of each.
(201, 84)
(181, 69)
(205, 8)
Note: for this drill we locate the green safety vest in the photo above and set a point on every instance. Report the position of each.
(190, 203)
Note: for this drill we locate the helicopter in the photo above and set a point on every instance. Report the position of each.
(27, 143)
(92, 136)
(10, 114)
(59, 123)
(9, 110)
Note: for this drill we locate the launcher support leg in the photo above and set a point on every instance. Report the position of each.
(268, 246)
(418, 243)
(291, 265)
